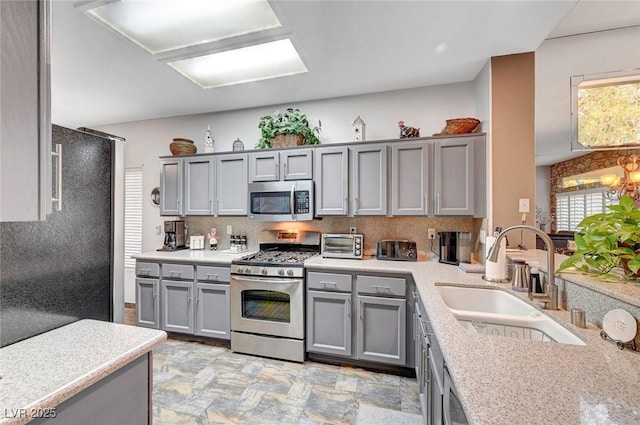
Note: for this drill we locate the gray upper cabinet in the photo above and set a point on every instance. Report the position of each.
(410, 172)
(232, 184)
(25, 122)
(171, 179)
(297, 164)
(294, 164)
(264, 166)
(369, 179)
(454, 176)
(332, 181)
(199, 185)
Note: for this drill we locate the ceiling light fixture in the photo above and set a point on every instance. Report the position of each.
(247, 64)
(629, 184)
(164, 25)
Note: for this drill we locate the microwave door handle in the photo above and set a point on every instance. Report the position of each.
(292, 202)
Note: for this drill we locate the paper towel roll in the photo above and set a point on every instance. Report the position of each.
(497, 270)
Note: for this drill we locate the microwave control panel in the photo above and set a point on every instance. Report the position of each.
(302, 201)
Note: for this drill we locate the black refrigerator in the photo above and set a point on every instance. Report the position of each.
(64, 269)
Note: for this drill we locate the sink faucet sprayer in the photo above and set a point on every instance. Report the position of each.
(550, 297)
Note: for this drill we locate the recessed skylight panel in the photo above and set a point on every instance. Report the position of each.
(252, 63)
(163, 25)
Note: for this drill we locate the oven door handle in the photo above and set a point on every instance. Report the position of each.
(292, 202)
(261, 280)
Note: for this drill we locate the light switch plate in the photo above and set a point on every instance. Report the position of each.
(523, 205)
(229, 229)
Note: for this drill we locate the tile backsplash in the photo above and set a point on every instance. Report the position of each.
(373, 228)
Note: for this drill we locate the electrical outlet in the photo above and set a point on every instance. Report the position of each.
(229, 229)
(352, 230)
(483, 236)
(431, 233)
(523, 205)
(158, 230)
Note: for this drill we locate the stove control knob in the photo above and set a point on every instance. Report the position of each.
(281, 272)
(264, 271)
(290, 272)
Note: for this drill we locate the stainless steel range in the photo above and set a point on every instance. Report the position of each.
(267, 295)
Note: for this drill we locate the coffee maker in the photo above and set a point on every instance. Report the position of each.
(455, 247)
(174, 237)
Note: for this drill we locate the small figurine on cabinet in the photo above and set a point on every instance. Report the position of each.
(213, 240)
(208, 141)
(407, 132)
(358, 129)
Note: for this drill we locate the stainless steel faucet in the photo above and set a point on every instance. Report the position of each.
(550, 296)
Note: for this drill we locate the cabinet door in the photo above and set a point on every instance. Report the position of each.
(171, 187)
(436, 390)
(177, 308)
(147, 303)
(369, 178)
(231, 184)
(381, 333)
(25, 122)
(264, 166)
(297, 164)
(332, 181)
(212, 310)
(410, 168)
(329, 323)
(198, 185)
(453, 177)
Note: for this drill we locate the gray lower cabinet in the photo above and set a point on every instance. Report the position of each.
(212, 310)
(381, 330)
(369, 179)
(148, 302)
(177, 306)
(329, 322)
(332, 181)
(232, 173)
(25, 101)
(199, 189)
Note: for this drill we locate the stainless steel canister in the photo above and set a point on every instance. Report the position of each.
(520, 280)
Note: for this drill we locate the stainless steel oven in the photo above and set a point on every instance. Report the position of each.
(267, 295)
(281, 201)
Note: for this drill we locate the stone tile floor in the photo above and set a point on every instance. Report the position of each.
(196, 383)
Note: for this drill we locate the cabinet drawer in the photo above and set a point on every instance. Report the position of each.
(212, 274)
(394, 286)
(329, 281)
(177, 271)
(147, 269)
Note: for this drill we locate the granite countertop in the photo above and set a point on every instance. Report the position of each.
(199, 256)
(43, 371)
(504, 381)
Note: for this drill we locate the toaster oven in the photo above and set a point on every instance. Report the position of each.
(342, 246)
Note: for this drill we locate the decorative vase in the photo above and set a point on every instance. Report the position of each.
(282, 140)
(181, 146)
(208, 141)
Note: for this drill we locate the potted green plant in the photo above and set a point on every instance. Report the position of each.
(608, 240)
(291, 122)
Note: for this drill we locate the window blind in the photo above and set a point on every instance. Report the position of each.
(132, 215)
(572, 208)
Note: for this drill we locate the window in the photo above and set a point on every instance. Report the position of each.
(605, 110)
(132, 215)
(572, 207)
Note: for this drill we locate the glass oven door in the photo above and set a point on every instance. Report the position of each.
(267, 306)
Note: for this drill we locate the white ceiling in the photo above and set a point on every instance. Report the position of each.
(350, 47)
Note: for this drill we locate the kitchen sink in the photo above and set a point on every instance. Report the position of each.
(493, 311)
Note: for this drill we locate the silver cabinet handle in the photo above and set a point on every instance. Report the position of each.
(211, 206)
(437, 203)
(174, 273)
(215, 276)
(381, 288)
(426, 203)
(284, 174)
(292, 201)
(58, 196)
(361, 310)
(327, 283)
(346, 205)
(189, 293)
(349, 308)
(154, 292)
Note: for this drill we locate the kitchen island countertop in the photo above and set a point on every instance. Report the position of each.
(504, 381)
(41, 372)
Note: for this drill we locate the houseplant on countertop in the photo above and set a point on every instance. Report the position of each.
(291, 122)
(608, 240)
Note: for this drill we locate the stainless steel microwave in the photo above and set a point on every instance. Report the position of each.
(281, 201)
(342, 246)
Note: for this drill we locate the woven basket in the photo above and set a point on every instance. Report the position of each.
(182, 147)
(459, 126)
(282, 140)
